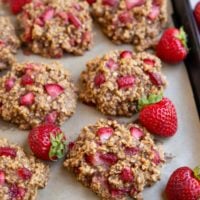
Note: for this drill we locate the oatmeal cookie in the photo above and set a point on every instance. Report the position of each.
(52, 27)
(33, 93)
(114, 160)
(138, 22)
(9, 43)
(115, 82)
(20, 176)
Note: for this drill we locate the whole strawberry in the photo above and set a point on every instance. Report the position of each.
(184, 184)
(172, 47)
(17, 5)
(197, 13)
(47, 142)
(159, 118)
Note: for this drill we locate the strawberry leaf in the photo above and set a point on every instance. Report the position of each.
(182, 36)
(153, 98)
(58, 146)
(197, 172)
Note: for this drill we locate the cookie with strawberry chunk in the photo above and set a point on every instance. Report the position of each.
(138, 22)
(115, 82)
(9, 43)
(34, 93)
(20, 175)
(52, 27)
(115, 161)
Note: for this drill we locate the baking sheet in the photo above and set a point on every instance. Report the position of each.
(184, 145)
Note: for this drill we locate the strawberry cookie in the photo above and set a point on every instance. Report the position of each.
(115, 82)
(33, 93)
(138, 22)
(9, 43)
(115, 161)
(20, 176)
(52, 27)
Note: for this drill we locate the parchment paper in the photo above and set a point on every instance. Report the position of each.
(184, 145)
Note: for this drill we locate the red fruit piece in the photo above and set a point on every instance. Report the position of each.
(126, 175)
(51, 117)
(104, 133)
(136, 133)
(111, 3)
(118, 193)
(93, 159)
(126, 81)
(183, 184)
(74, 20)
(125, 17)
(8, 151)
(27, 99)
(133, 3)
(99, 79)
(172, 47)
(2, 177)
(17, 5)
(126, 54)
(197, 13)
(109, 158)
(27, 80)
(24, 173)
(63, 15)
(154, 13)
(47, 142)
(54, 89)
(91, 1)
(149, 61)
(156, 159)
(71, 145)
(9, 84)
(155, 78)
(39, 22)
(131, 151)
(160, 118)
(16, 192)
(111, 64)
(48, 14)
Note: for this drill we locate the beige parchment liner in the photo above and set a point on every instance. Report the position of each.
(184, 145)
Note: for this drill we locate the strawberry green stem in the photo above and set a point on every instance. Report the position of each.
(153, 98)
(58, 146)
(197, 172)
(182, 36)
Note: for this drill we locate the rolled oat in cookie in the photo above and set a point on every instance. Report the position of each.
(115, 82)
(20, 175)
(138, 22)
(52, 27)
(9, 43)
(115, 161)
(33, 93)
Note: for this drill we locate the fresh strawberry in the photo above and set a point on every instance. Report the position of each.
(17, 5)
(54, 89)
(27, 99)
(8, 151)
(172, 47)
(184, 184)
(158, 115)
(126, 81)
(104, 133)
(47, 142)
(197, 13)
